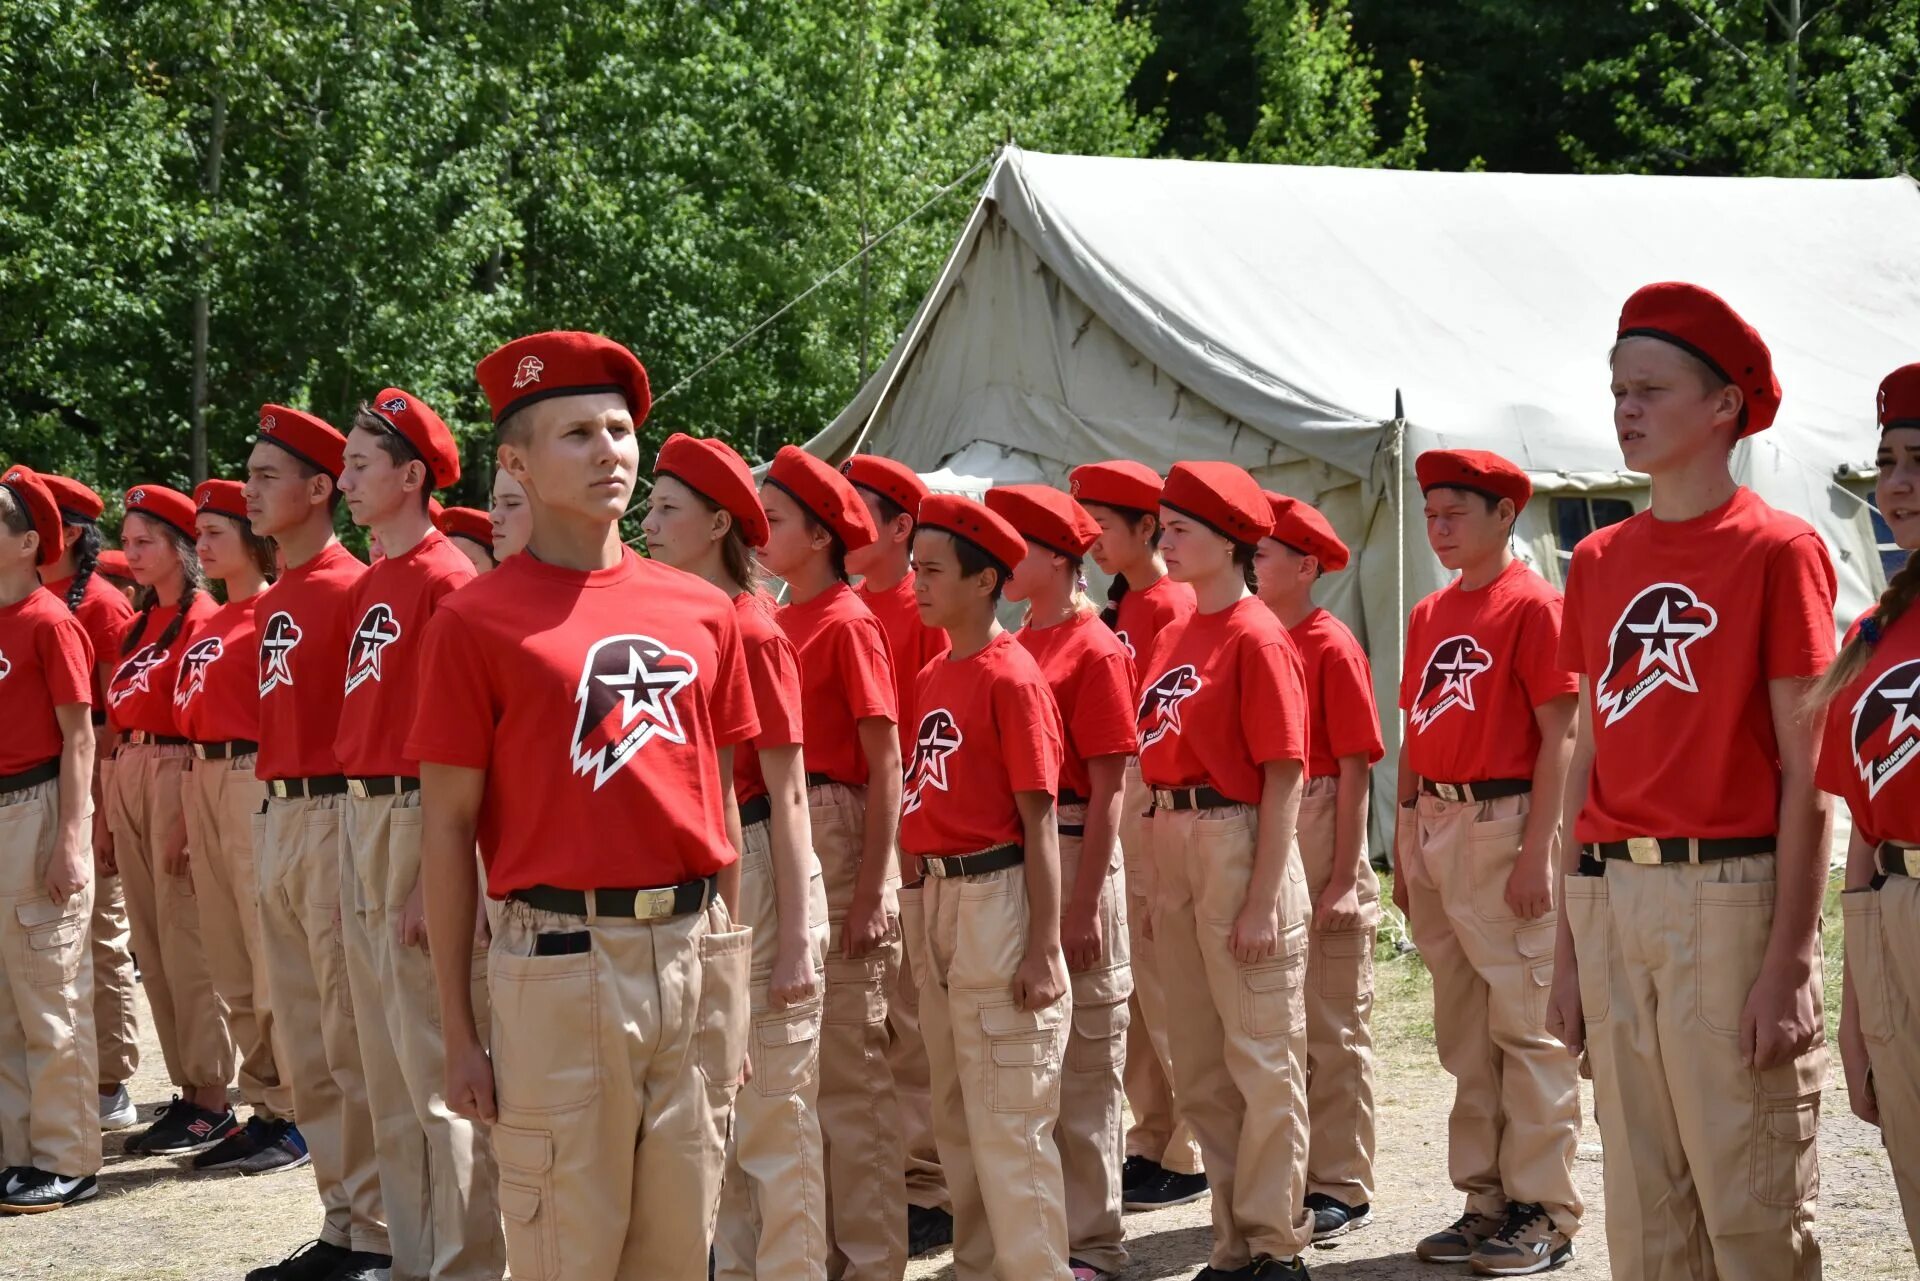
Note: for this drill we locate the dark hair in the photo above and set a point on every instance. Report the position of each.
(1118, 588)
(839, 548)
(13, 513)
(194, 581)
(259, 547)
(736, 558)
(84, 539)
(890, 511)
(974, 560)
(1243, 557)
(398, 449)
(308, 471)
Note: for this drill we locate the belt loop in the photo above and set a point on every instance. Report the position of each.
(1693, 850)
(593, 906)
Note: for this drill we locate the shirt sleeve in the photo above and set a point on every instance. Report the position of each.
(1352, 720)
(774, 668)
(458, 711)
(1798, 641)
(730, 700)
(866, 672)
(1028, 725)
(1100, 722)
(1542, 674)
(1273, 695)
(67, 661)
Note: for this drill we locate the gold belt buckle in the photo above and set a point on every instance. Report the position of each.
(1447, 791)
(1644, 850)
(1162, 798)
(357, 788)
(1911, 858)
(658, 904)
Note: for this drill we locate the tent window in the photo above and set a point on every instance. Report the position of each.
(1575, 518)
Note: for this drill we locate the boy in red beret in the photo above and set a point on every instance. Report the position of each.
(1689, 960)
(978, 815)
(48, 1110)
(1483, 765)
(436, 1167)
(1343, 737)
(578, 713)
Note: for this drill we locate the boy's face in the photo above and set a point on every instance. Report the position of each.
(948, 597)
(1665, 414)
(1282, 572)
(576, 455)
(874, 555)
(1465, 528)
(376, 488)
(279, 493)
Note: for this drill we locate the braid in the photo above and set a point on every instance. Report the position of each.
(1116, 592)
(86, 554)
(1903, 591)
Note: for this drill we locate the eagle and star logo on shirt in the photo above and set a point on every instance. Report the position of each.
(938, 738)
(626, 699)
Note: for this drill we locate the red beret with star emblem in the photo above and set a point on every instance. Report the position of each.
(221, 497)
(1700, 323)
(79, 505)
(312, 440)
(169, 506)
(414, 421)
(713, 470)
(1301, 526)
(972, 522)
(1046, 517)
(562, 362)
(43, 511)
(1900, 398)
(895, 482)
(825, 493)
(1119, 483)
(1473, 469)
(1221, 496)
(466, 522)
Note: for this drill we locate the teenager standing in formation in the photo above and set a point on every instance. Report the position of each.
(471, 531)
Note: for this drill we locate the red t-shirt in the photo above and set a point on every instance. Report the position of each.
(1091, 676)
(1872, 736)
(1226, 695)
(306, 621)
(104, 613)
(391, 606)
(989, 730)
(216, 695)
(140, 691)
(46, 662)
(846, 676)
(597, 704)
(1145, 612)
(1476, 665)
(910, 643)
(773, 668)
(1679, 625)
(1341, 717)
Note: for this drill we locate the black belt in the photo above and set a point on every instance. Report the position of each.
(1892, 860)
(99, 718)
(1652, 850)
(1190, 798)
(826, 780)
(1487, 789)
(757, 810)
(659, 904)
(999, 858)
(45, 772)
(225, 751)
(382, 785)
(1073, 829)
(141, 738)
(1071, 798)
(318, 785)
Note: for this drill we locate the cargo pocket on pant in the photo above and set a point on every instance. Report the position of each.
(1347, 963)
(55, 938)
(1786, 1170)
(1023, 1056)
(525, 1158)
(720, 1045)
(1534, 941)
(546, 1031)
(1495, 848)
(1099, 1040)
(1866, 953)
(1590, 919)
(1731, 925)
(786, 1048)
(1271, 1000)
(856, 990)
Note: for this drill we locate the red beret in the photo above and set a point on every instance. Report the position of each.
(824, 492)
(169, 506)
(562, 362)
(969, 521)
(1301, 526)
(1899, 398)
(42, 509)
(79, 505)
(1045, 516)
(1120, 483)
(1701, 323)
(896, 482)
(311, 440)
(466, 522)
(1222, 497)
(113, 563)
(1474, 469)
(222, 497)
(713, 470)
(414, 421)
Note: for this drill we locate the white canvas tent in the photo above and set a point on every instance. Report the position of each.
(1160, 310)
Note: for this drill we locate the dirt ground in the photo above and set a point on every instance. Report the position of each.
(155, 1221)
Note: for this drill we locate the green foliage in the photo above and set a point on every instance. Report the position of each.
(1318, 90)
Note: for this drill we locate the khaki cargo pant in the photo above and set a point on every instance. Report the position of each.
(1091, 1133)
(1711, 1167)
(773, 1208)
(1339, 1016)
(859, 1114)
(996, 1080)
(912, 1086)
(116, 1025)
(438, 1184)
(614, 1071)
(49, 1111)
(1515, 1124)
(298, 846)
(1157, 1132)
(222, 797)
(1239, 1032)
(1883, 952)
(146, 808)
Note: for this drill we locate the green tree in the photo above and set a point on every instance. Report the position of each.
(1319, 89)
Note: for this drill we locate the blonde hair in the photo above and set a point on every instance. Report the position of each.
(1903, 589)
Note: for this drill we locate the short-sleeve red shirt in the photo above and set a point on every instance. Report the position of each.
(1871, 739)
(910, 643)
(1477, 664)
(846, 676)
(216, 693)
(1679, 626)
(1225, 696)
(989, 731)
(1091, 676)
(306, 621)
(46, 662)
(140, 691)
(104, 613)
(1145, 612)
(773, 668)
(1341, 717)
(597, 705)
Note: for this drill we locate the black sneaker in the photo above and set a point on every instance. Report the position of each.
(285, 1149)
(314, 1261)
(11, 1176)
(37, 1191)
(1333, 1217)
(235, 1148)
(1263, 1267)
(184, 1128)
(1525, 1244)
(1168, 1189)
(929, 1228)
(1138, 1171)
(361, 1266)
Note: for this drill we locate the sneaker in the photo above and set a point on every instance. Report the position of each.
(1262, 1267)
(235, 1148)
(929, 1228)
(314, 1261)
(1456, 1244)
(116, 1110)
(37, 1191)
(1138, 1171)
(285, 1149)
(361, 1266)
(185, 1128)
(11, 1176)
(1168, 1189)
(1526, 1243)
(1333, 1217)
